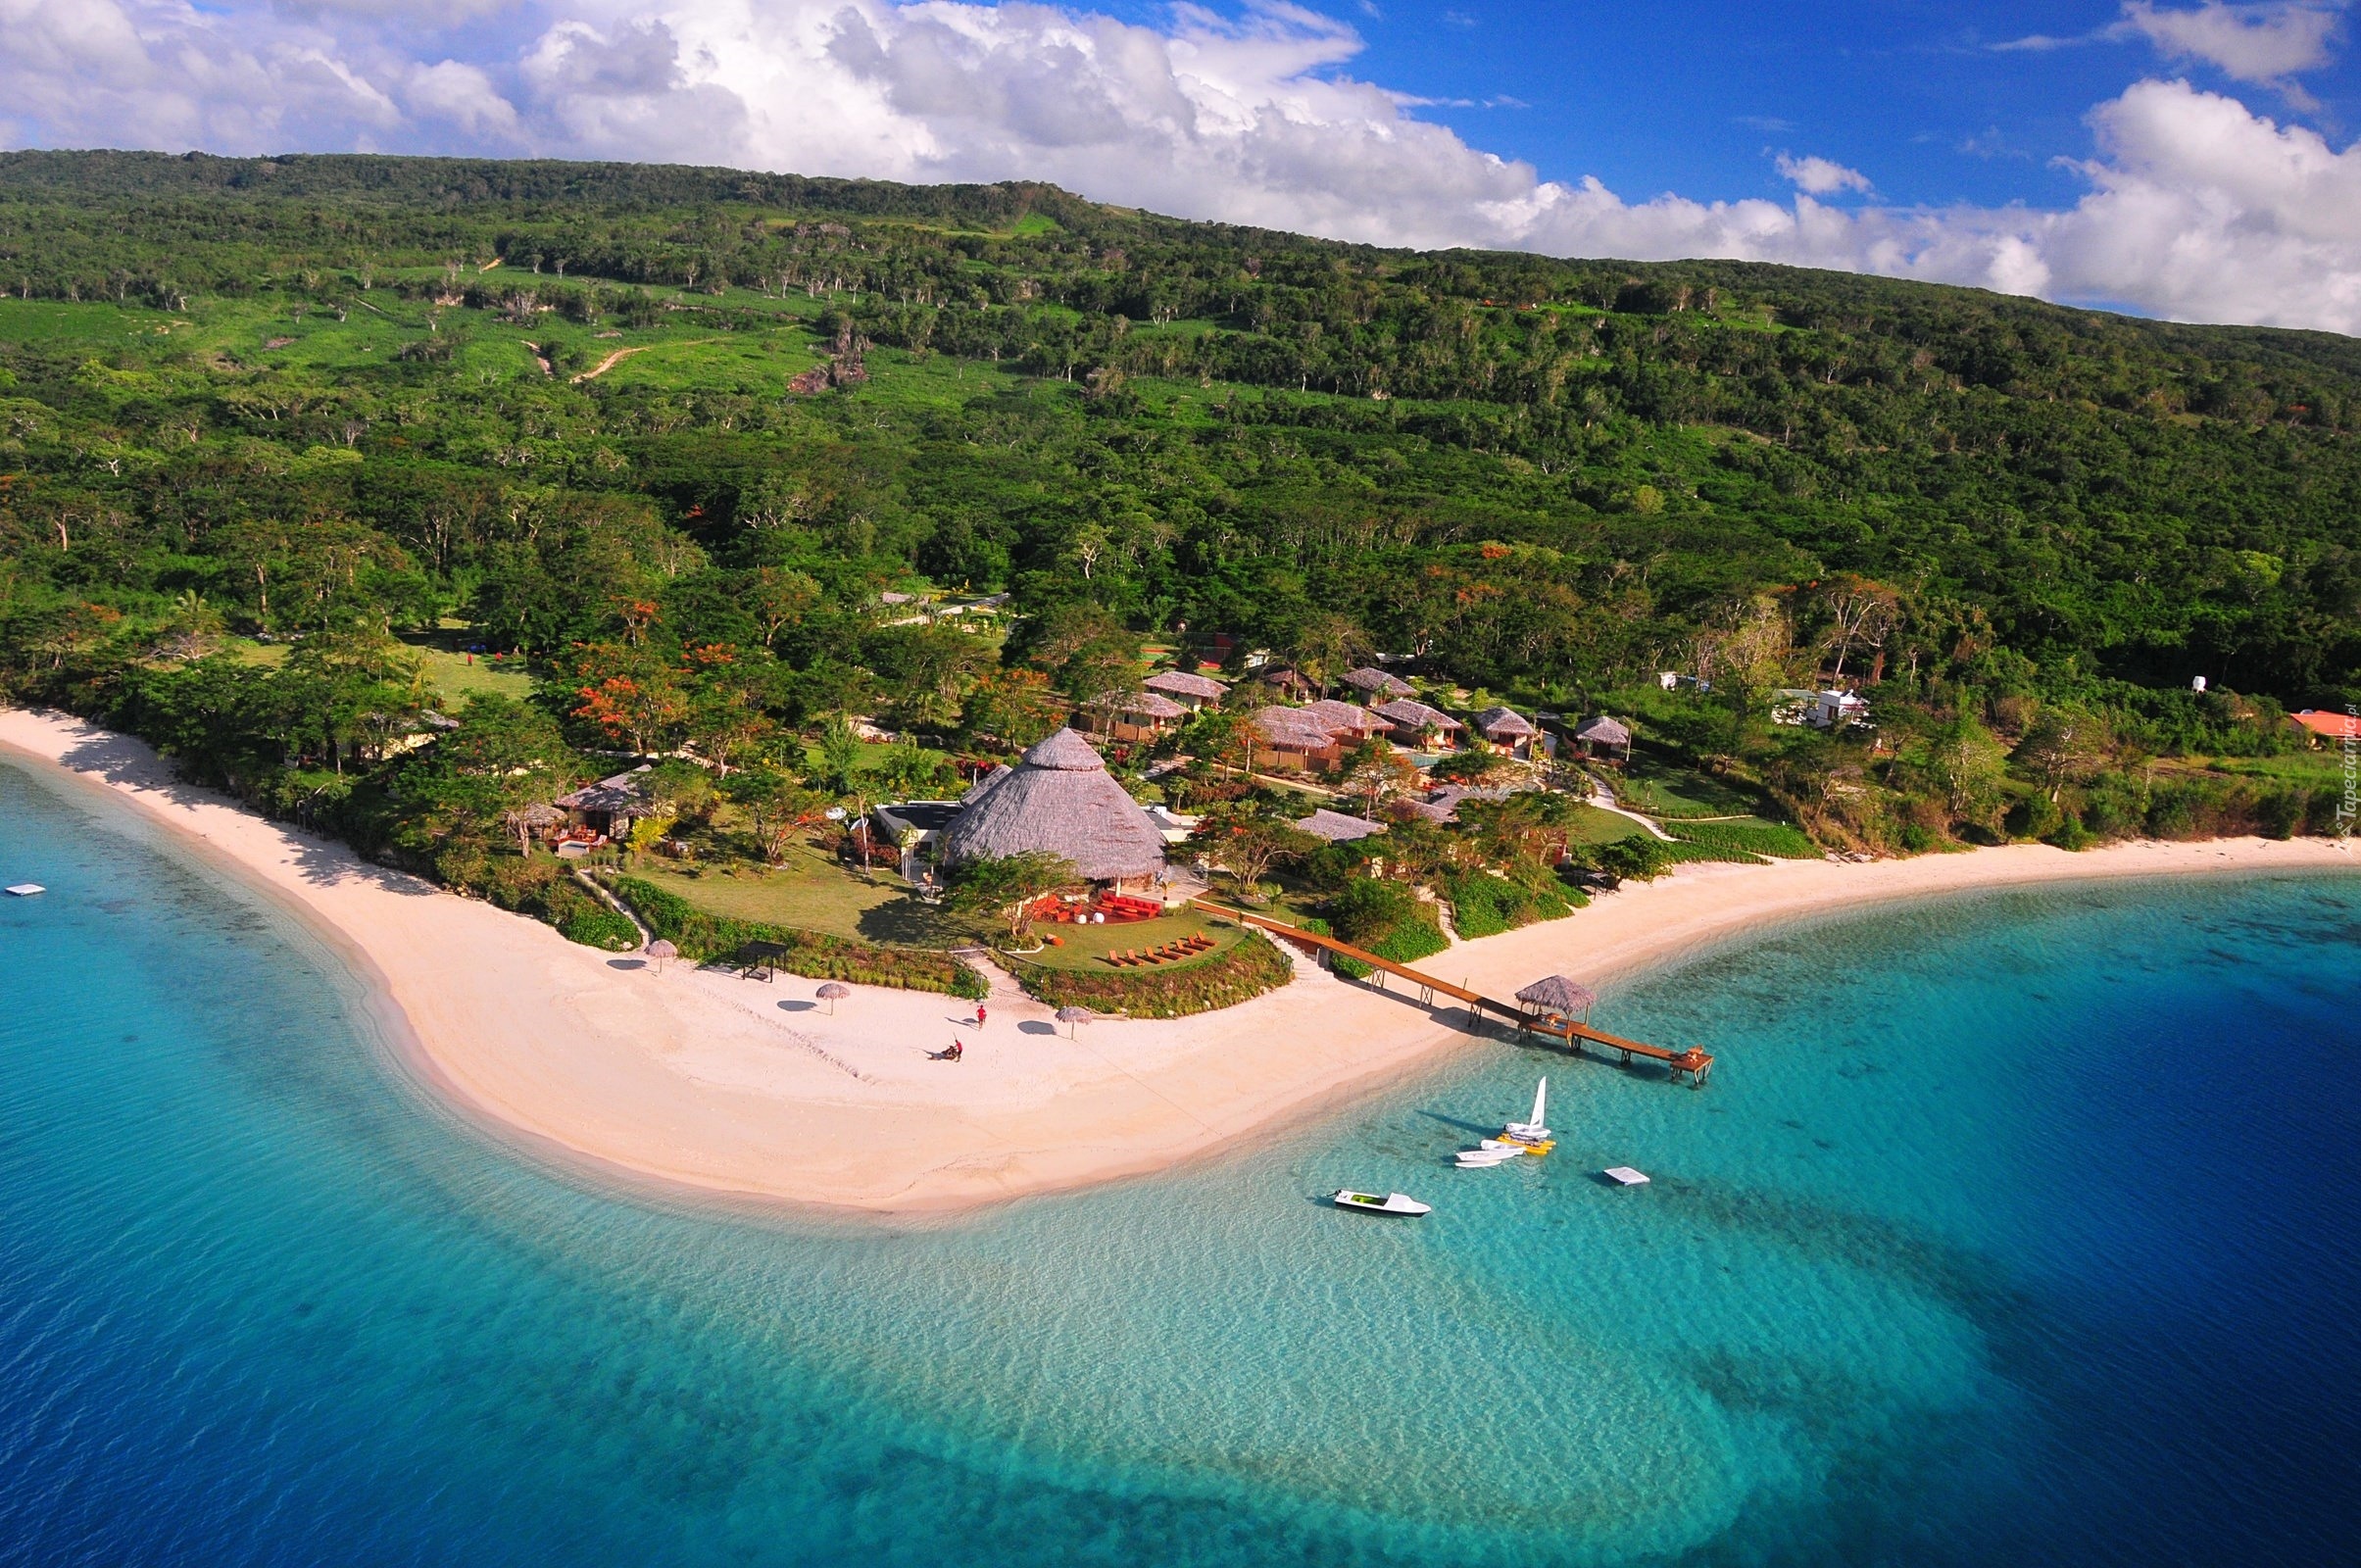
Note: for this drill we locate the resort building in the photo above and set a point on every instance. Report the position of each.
(2320, 724)
(1059, 799)
(1190, 691)
(1285, 741)
(1507, 730)
(609, 807)
(1600, 735)
(1337, 827)
(1416, 724)
(1291, 683)
(1376, 686)
(1131, 715)
(1350, 723)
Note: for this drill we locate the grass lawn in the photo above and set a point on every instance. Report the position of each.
(1592, 826)
(455, 677)
(813, 892)
(1659, 787)
(1085, 946)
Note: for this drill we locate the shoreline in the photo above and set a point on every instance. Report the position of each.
(736, 1090)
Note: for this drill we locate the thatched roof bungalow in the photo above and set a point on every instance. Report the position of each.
(1194, 690)
(1285, 741)
(1337, 827)
(1345, 720)
(612, 805)
(1413, 721)
(1131, 715)
(1601, 733)
(1376, 684)
(1059, 800)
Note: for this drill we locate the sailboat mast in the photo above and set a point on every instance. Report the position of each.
(1541, 1100)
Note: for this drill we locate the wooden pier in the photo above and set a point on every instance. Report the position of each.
(1691, 1064)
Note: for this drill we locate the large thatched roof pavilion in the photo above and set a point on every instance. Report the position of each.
(1059, 798)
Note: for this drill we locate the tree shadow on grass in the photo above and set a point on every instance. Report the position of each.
(907, 923)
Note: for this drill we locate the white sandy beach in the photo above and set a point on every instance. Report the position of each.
(734, 1086)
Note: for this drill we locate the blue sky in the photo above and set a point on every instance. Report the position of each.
(2195, 159)
(1695, 95)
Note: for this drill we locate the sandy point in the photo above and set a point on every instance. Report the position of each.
(739, 1087)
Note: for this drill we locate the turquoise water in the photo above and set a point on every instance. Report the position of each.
(2017, 1228)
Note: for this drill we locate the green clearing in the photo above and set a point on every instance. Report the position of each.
(1590, 826)
(812, 893)
(1666, 790)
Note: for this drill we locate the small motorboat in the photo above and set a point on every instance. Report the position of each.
(1485, 1158)
(1371, 1204)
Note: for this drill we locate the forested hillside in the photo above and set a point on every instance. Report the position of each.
(668, 435)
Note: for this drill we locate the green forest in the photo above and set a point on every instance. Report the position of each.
(388, 494)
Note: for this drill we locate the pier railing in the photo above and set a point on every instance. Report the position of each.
(1694, 1065)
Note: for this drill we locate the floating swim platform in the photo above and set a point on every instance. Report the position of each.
(24, 890)
(1624, 1176)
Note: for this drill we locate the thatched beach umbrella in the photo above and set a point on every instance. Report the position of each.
(660, 950)
(1559, 995)
(832, 993)
(1070, 1016)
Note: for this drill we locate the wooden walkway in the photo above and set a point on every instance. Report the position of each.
(1691, 1064)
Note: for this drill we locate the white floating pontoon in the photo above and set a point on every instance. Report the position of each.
(25, 890)
(1625, 1176)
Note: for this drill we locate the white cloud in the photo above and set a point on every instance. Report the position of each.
(1821, 177)
(2197, 208)
(2257, 43)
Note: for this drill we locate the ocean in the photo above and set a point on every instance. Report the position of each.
(2020, 1227)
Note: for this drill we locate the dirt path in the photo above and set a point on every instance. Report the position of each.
(612, 361)
(539, 358)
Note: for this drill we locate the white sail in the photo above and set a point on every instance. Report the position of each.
(1537, 1128)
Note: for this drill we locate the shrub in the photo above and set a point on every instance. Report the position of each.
(1484, 905)
(1242, 974)
(701, 937)
(594, 925)
(1385, 918)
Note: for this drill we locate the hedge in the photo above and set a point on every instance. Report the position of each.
(701, 937)
(1248, 969)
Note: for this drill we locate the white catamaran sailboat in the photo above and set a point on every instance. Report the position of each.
(1533, 1134)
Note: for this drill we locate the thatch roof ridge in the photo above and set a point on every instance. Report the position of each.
(1067, 752)
(1150, 704)
(1369, 678)
(1600, 727)
(1187, 684)
(1337, 827)
(1507, 718)
(1413, 714)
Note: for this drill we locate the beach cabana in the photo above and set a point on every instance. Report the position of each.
(1376, 685)
(1192, 691)
(1602, 731)
(1559, 996)
(1416, 724)
(1059, 799)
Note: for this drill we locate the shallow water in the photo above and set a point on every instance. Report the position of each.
(2018, 1228)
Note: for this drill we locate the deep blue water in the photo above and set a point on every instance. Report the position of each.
(2019, 1228)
